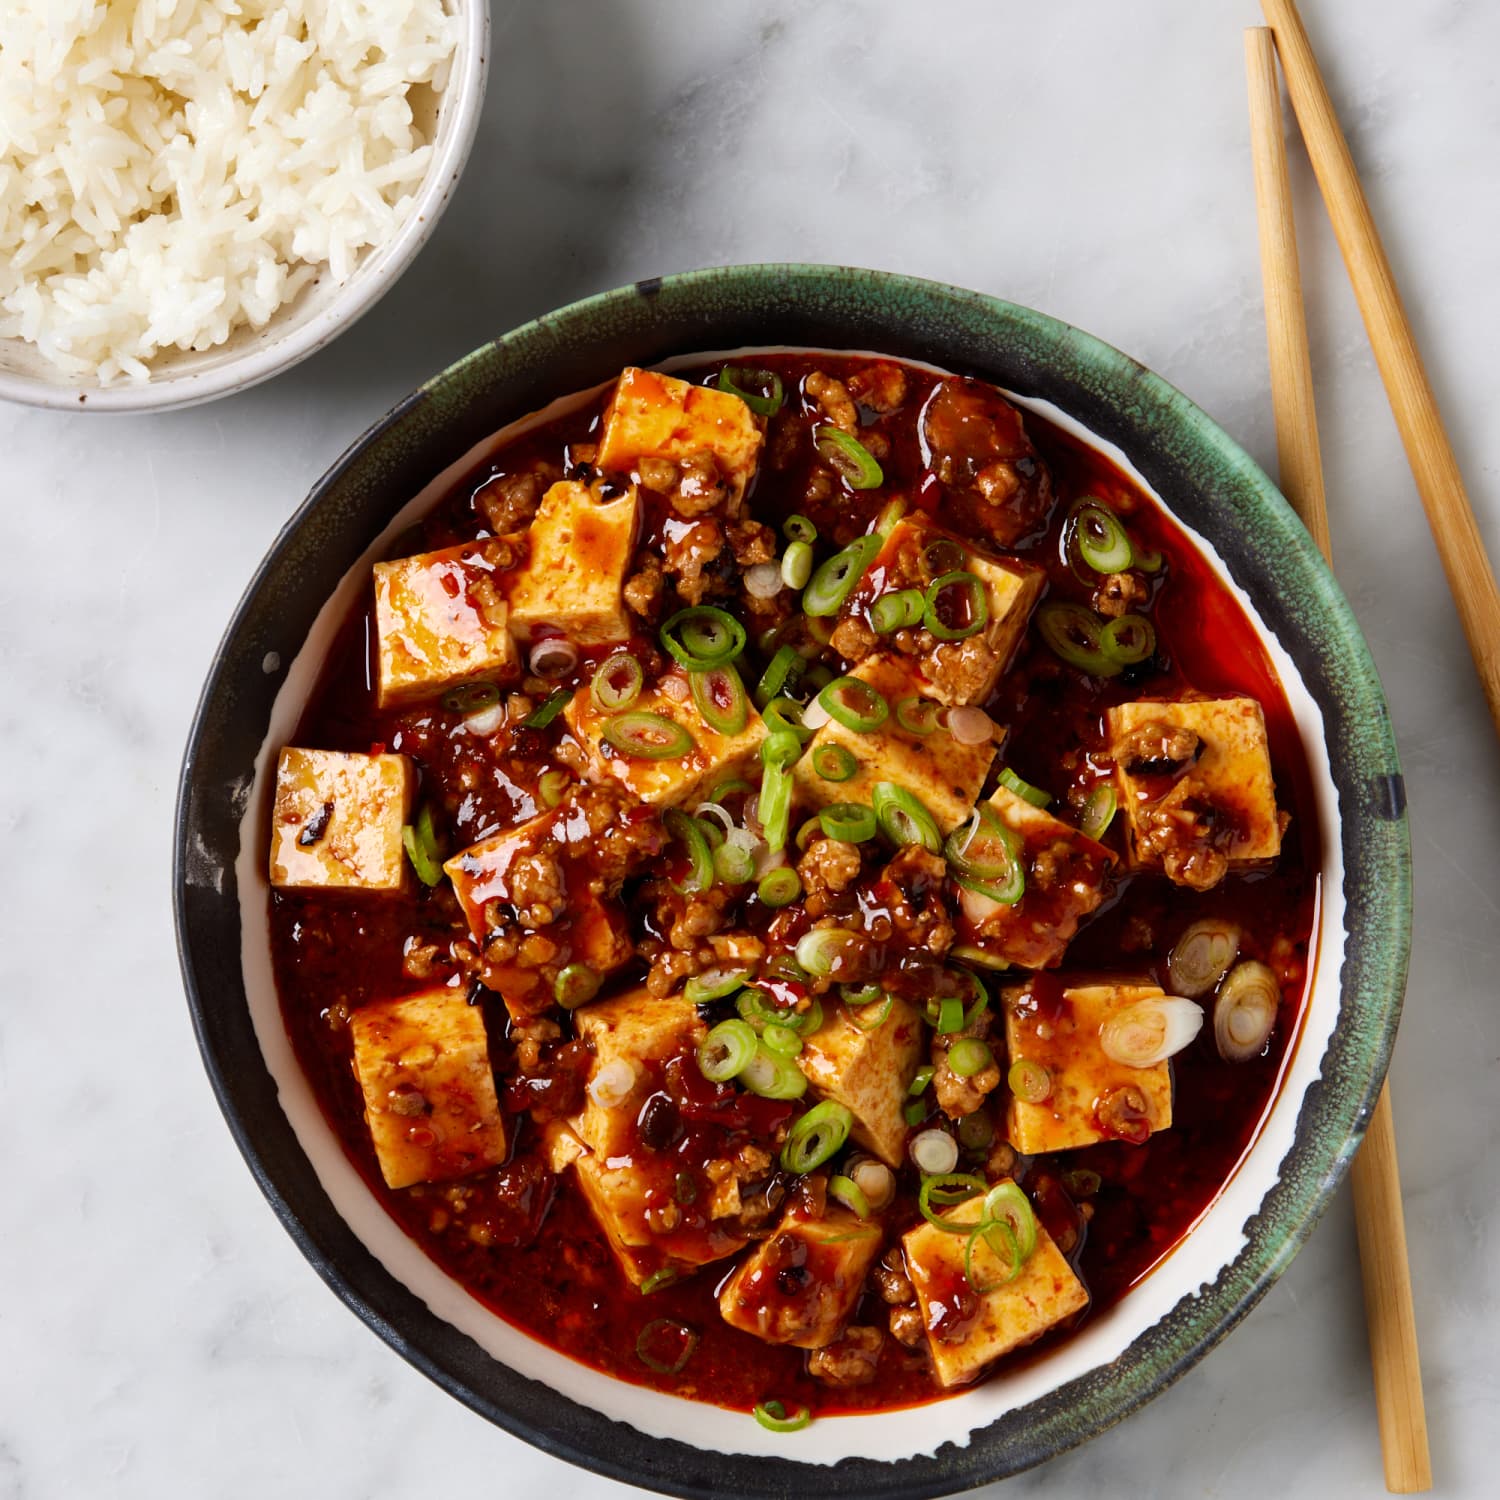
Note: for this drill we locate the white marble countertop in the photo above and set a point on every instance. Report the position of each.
(162, 1335)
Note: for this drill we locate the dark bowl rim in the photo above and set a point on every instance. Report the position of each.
(592, 1441)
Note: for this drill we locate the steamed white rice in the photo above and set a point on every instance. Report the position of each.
(172, 170)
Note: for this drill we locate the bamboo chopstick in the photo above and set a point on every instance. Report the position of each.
(1428, 451)
(1377, 1183)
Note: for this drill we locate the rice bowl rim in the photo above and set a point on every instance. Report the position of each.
(297, 330)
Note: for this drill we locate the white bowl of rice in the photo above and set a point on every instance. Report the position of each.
(197, 194)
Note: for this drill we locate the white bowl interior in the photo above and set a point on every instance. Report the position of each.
(1213, 1243)
(324, 308)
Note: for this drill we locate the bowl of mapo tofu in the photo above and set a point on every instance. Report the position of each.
(785, 907)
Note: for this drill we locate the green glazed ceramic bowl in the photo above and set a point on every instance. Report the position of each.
(1306, 1141)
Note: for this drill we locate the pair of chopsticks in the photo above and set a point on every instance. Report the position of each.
(1377, 1185)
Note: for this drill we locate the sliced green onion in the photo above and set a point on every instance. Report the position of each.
(773, 1416)
(854, 462)
(896, 611)
(774, 806)
(986, 858)
(1129, 639)
(863, 1021)
(915, 1113)
(805, 834)
(1023, 789)
(797, 565)
(846, 1191)
(703, 636)
(834, 763)
(849, 822)
(773, 1077)
(1148, 560)
(834, 579)
(1000, 1240)
(547, 710)
(919, 1080)
(420, 842)
(726, 1051)
(855, 704)
(779, 887)
(917, 715)
(753, 1008)
(969, 1056)
(1006, 1204)
(713, 831)
(950, 1015)
(973, 607)
(1098, 811)
(1076, 635)
(784, 669)
(720, 696)
(820, 950)
(797, 528)
(1029, 1081)
(1100, 537)
(817, 677)
(862, 994)
(729, 788)
(663, 1276)
(946, 1190)
(714, 985)
(943, 555)
(733, 863)
(818, 1135)
(784, 716)
(617, 682)
(781, 1039)
(902, 818)
(738, 380)
(890, 513)
(646, 736)
(576, 985)
(552, 786)
(780, 749)
(689, 832)
(471, 698)
(660, 1332)
(784, 967)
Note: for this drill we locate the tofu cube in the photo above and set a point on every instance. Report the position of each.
(967, 1332)
(578, 550)
(533, 870)
(800, 1286)
(1067, 876)
(337, 819)
(1093, 1097)
(707, 757)
(657, 416)
(1216, 804)
(441, 621)
(632, 1188)
(943, 774)
(423, 1065)
(867, 1072)
(916, 552)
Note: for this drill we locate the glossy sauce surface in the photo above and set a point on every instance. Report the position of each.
(523, 1242)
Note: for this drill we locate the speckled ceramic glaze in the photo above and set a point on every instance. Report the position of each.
(1242, 1243)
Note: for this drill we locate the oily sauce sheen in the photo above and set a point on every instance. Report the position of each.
(522, 1241)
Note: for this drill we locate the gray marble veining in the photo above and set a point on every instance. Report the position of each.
(162, 1335)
